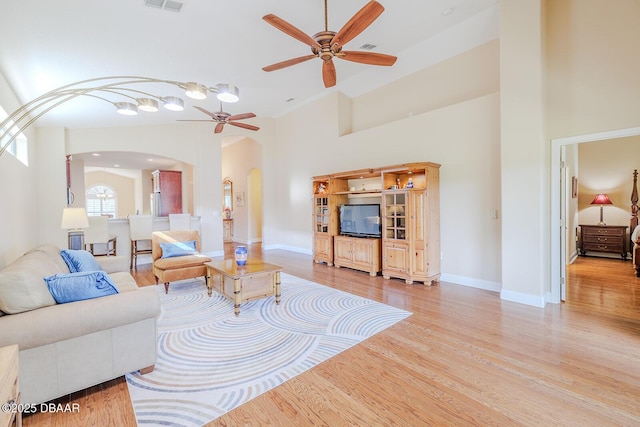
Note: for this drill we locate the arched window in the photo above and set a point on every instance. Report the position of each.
(101, 200)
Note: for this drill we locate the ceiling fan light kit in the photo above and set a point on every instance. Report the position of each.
(126, 108)
(147, 104)
(327, 45)
(173, 103)
(227, 92)
(24, 116)
(196, 90)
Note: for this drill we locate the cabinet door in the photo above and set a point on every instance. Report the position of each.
(321, 247)
(396, 258)
(395, 216)
(342, 251)
(417, 232)
(363, 253)
(321, 214)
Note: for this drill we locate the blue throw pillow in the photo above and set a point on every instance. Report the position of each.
(80, 286)
(172, 249)
(78, 260)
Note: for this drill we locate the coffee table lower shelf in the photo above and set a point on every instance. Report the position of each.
(254, 280)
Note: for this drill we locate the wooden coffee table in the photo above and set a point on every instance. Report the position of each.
(254, 280)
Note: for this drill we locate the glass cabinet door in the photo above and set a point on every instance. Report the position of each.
(395, 220)
(321, 215)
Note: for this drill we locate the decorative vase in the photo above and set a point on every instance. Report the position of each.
(241, 255)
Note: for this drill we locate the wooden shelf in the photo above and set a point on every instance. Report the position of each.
(378, 191)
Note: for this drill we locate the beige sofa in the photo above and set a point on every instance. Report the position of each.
(69, 347)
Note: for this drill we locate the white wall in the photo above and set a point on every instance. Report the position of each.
(18, 193)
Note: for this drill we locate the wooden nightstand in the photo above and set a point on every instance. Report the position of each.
(9, 391)
(603, 238)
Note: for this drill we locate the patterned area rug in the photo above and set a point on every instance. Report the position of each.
(210, 361)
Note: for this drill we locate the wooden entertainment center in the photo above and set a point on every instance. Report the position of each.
(409, 198)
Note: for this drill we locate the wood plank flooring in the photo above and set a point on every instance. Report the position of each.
(464, 357)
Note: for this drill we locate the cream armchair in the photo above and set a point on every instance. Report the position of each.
(181, 267)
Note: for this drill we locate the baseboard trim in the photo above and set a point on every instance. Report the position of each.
(287, 248)
(471, 282)
(521, 298)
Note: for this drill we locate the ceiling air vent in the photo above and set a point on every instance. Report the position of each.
(171, 5)
(368, 46)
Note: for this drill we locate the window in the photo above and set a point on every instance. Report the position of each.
(18, 148)
(101, 201)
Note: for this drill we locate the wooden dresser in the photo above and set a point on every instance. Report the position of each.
(603, 239)
(9, 392)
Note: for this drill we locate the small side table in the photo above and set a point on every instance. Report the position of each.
(9, 390)
(254, 280)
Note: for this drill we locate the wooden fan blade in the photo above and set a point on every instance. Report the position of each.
(289, 29)
(208, 113)
(241, 116)
(358, 22)
(328, 73)
(244, 125)
(218, 128)
(203, 120)
(370, 58)
(288, 63)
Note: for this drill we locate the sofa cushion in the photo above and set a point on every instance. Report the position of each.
(123, 281)
(80, 286)
(53, 253)
(79, 260)
(21, 284)
(174, 249)
(181, 262)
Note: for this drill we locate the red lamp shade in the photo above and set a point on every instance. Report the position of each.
(601, 199)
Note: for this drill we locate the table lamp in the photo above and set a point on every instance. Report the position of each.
(601, 199)
(74, 220)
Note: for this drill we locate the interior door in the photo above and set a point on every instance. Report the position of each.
(563, 224)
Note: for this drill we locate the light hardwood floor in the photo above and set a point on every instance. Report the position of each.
(463, 358)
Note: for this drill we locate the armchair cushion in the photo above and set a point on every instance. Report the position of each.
(175, 249)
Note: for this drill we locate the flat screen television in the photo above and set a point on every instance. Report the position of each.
(360, 220)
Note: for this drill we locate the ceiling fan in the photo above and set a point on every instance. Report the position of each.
(223, 118)
(328, 44)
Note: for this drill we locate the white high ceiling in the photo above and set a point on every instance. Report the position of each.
(47, 44)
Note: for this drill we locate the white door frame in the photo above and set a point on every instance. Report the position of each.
(558, 257)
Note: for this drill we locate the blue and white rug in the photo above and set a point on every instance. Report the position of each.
(211, 361)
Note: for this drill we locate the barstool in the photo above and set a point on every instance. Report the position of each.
(180, 221)
(98, 233)
(140, 228)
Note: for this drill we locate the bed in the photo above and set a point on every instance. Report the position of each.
(633, 225)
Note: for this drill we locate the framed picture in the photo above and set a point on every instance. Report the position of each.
(240, 198)
(574, 187)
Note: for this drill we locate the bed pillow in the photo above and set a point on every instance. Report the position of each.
(635, 234)
(174, 249)
(78, 260)
(80, 286)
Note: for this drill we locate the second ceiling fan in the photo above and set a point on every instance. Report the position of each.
(328, 44)
(223, 118)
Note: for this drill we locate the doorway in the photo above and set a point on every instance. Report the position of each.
(559, 195)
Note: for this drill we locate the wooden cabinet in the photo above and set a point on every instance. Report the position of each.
(359, 253)
(167, 189)
(9, 389)
(411, 223)
(604, 239)
(325, 221)
(409, 195)
(227, 230)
